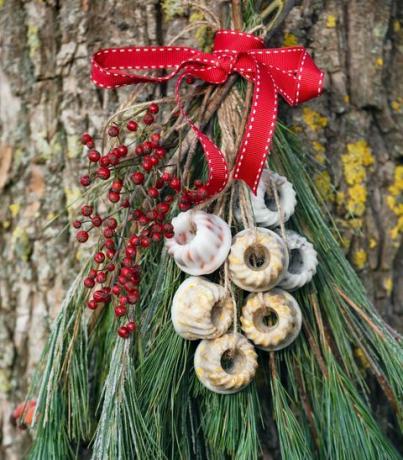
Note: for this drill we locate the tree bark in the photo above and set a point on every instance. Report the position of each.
(47, 100)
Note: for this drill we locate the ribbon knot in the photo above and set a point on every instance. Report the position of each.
(289, 72)
(226, 63)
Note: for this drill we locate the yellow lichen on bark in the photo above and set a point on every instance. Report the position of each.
(360, 258)
(314, 120)
(394, 201)
(355, 163)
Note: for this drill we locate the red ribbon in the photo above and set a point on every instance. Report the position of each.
(289, 72)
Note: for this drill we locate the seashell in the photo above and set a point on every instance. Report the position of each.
(201, 242)
(264, 205)
(287, 315)
(201, 309)
(303, 261)
(268, 251)
(227, 364)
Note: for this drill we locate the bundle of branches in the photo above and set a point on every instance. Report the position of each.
(100, 395)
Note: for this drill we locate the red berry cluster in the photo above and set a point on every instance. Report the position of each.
(133, 169)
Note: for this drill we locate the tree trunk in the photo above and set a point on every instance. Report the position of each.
(47, 100)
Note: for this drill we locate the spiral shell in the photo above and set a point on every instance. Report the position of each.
(201, 310)
(201, 242)
(285, 330)
(264, 205)
(303, 262)
(271, 255)
(240, 356)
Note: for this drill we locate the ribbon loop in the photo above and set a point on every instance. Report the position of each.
(289, 72)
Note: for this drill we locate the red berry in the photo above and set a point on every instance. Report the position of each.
(101, 277)
(184, 206)
(104, 161)
(116, 289)
(109, 244)
(123, 332)
(198, 183)
(145, 242)
(168, 227)
(132, 125)
(108, 232)
(120, 311)
(112, 223)
(153, 108)
(77, 224)
(92, 305)
(148, 146)
(86, 137)
(148, 119)
(110, 253)
(139, 150)
(155, 138)
(85, 181)
(113, 131)
(154, 160)
(99, 257)
(123, 300)
(110, 267)
(89, 282)
(153, 192)
(147, 164)
(131, 326)
(134, 240)
(145, 232)
(166, 176)
(101, 296)
(103, 173)
(94, 155)
(117, 185)
(160, 152)
(133, 296)
(138, 177)
(92, 273)
(114, 197)
(163, 207)
(125, 203)
(122, 150)
(175, 183)
(169, 234)
(86, 210)
(113, 159)
(82, 236)
(130, 251)
(169, 199)
(96, 221)
(125, 271)
(143, 220)
(137, 213)
(90, 144)
(202, 193)
(159, 183)
(156, 228)
(156, 236)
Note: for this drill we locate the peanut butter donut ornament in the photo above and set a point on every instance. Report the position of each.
(264, 204)
(303, 261)
(258, 259)
(201, 242)
(275, 334)
(227, 364)
(201, 309)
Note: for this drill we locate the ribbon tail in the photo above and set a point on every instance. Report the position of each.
(259, 130)
(217, 164)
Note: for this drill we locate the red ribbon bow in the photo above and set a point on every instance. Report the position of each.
(290, 72)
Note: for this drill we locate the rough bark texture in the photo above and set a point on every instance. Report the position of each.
(47, 100)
